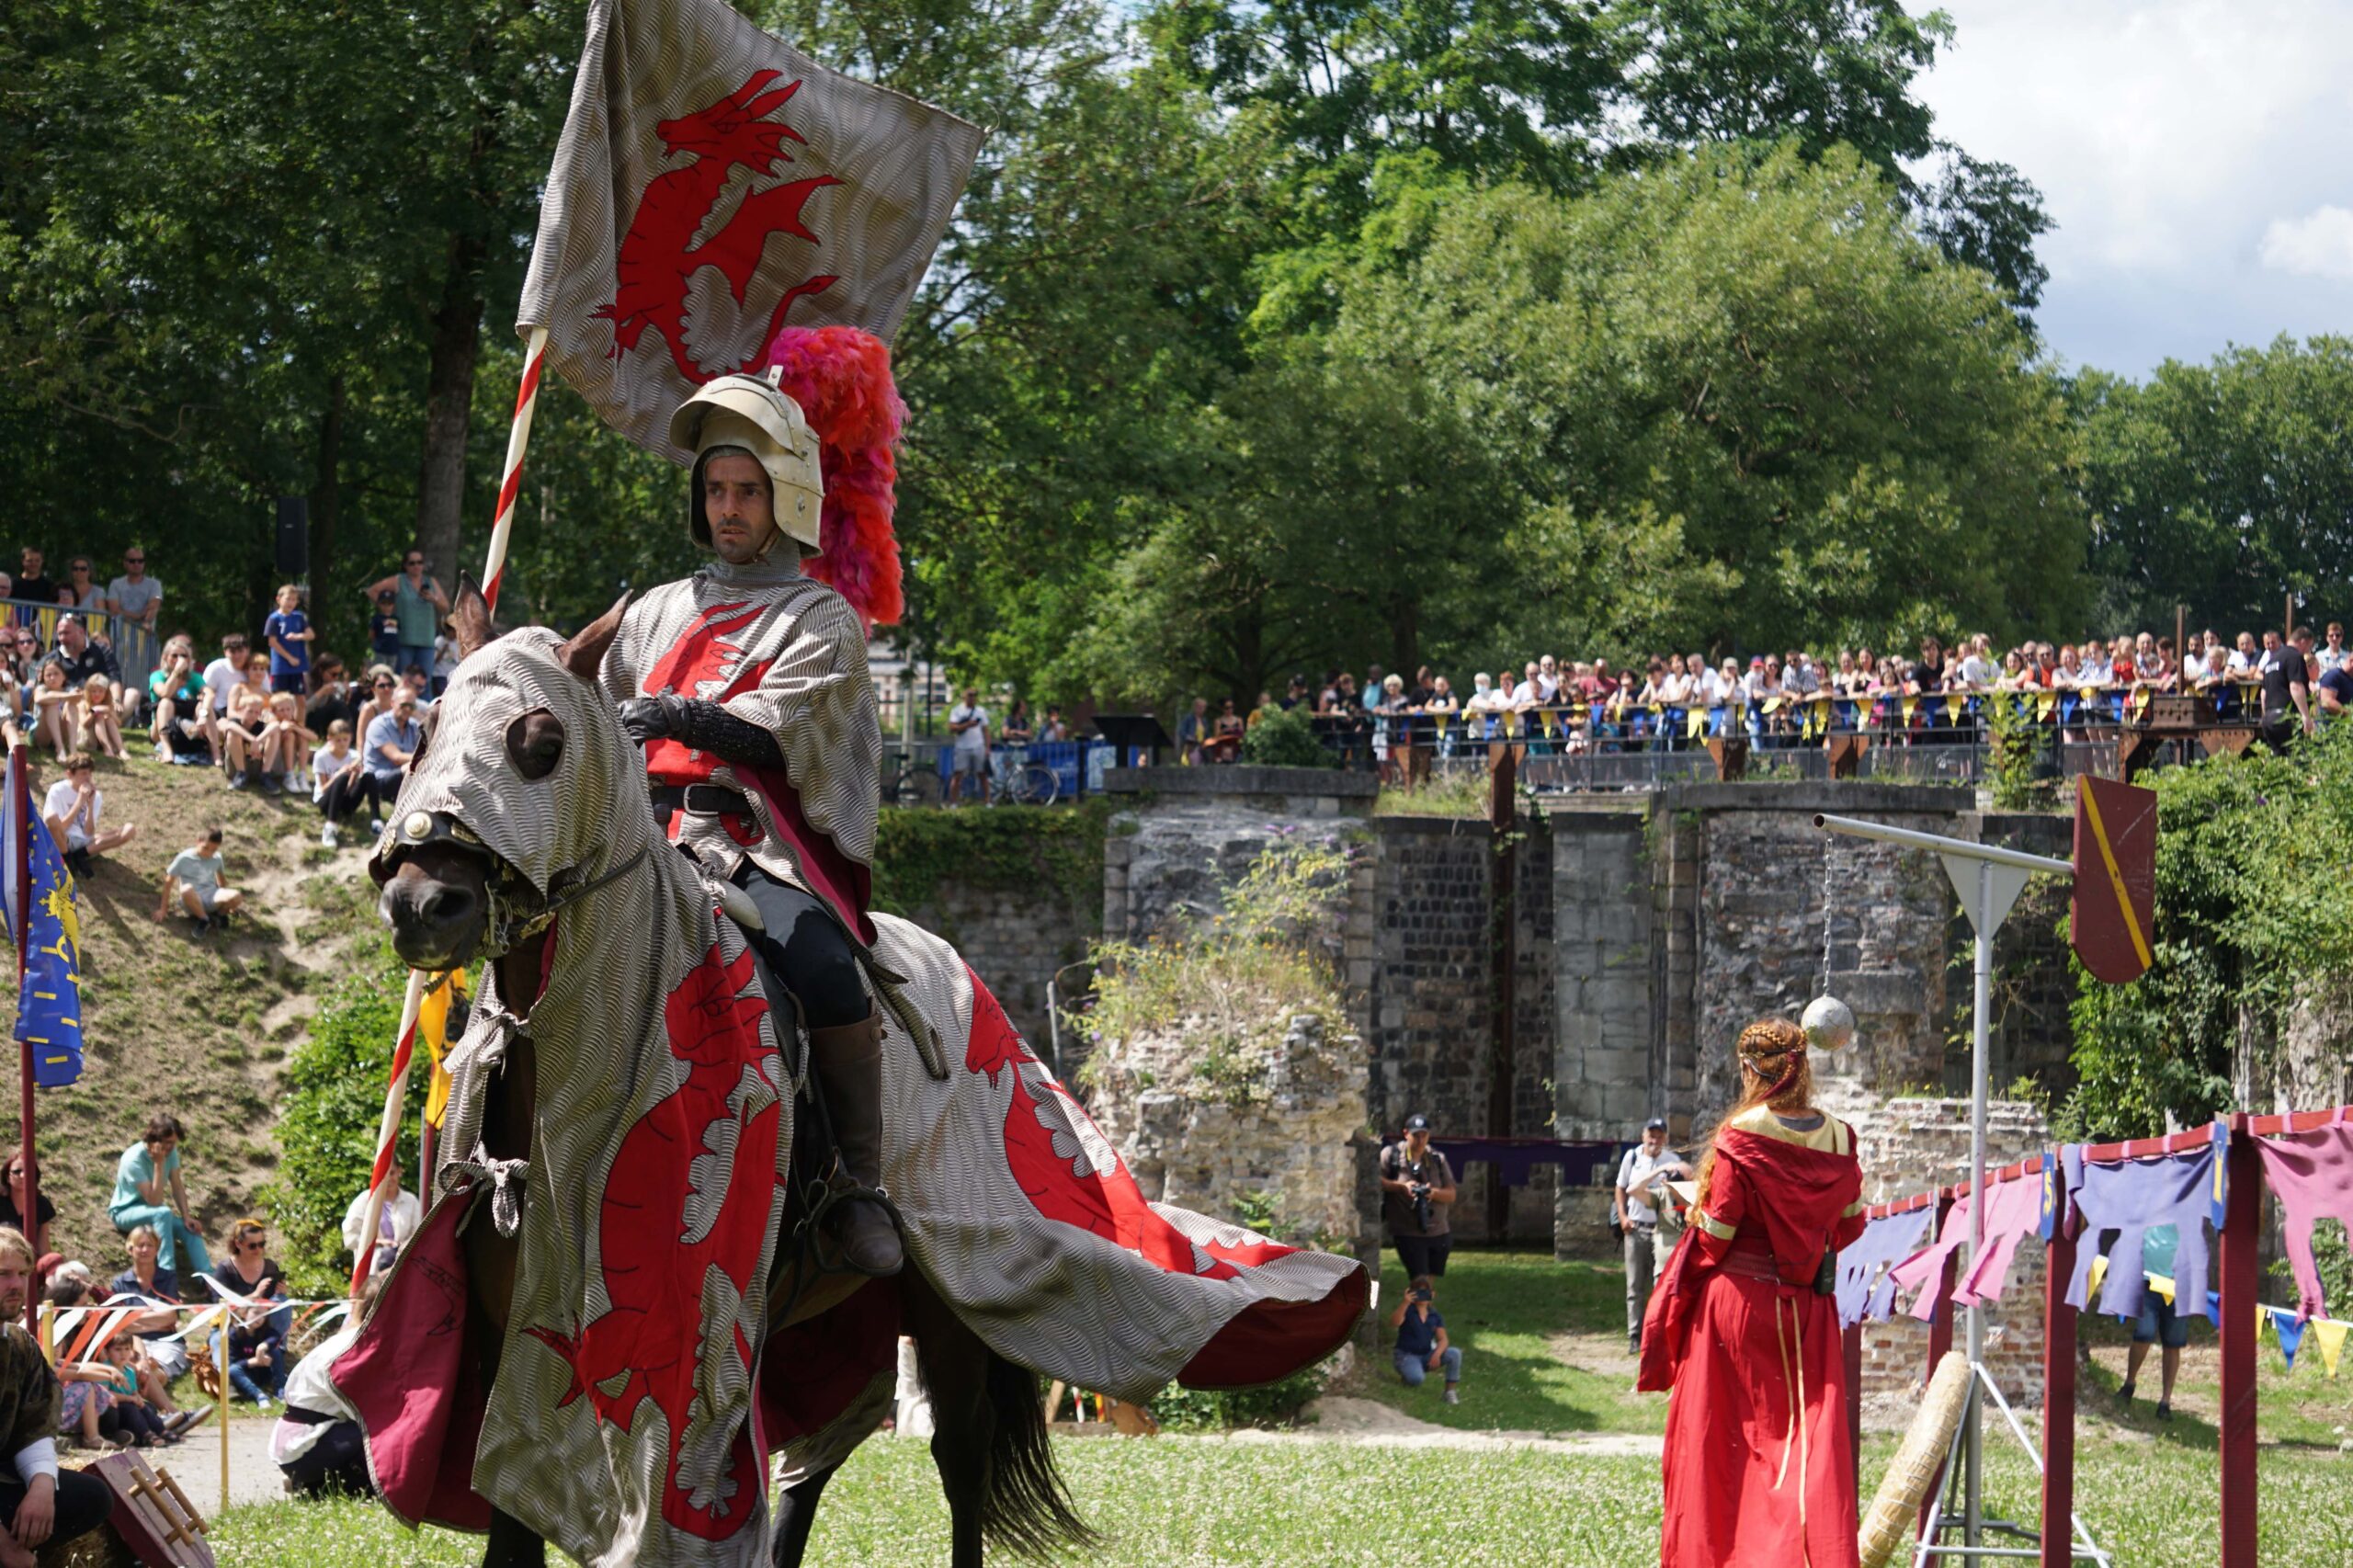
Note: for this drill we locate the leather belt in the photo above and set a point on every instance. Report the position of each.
(701, 800)
(1750, 1260)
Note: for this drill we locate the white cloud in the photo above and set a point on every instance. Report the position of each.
(2319, 244)
(2166, 135)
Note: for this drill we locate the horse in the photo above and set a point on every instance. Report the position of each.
(990, 1445)
(523, 833)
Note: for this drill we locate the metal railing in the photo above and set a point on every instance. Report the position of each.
(137, 647)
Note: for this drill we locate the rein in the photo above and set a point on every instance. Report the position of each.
(519, 913)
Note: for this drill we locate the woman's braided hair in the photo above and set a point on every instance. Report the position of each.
(1772, 1055)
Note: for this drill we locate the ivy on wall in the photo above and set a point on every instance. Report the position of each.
(1055, 853)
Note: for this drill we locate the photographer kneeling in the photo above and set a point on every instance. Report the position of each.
(1416, 1190)
(1422, 1346)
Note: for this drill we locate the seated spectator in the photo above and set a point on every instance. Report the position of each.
(375, 700)
(225, 674)
(57, 709)
(317, 1441)
(332, 697)
(12, 1212)
(101, 720)
(395, 1224)
(342, 784)
(176, 694)
(148, 1279)
(40, 1505)
(75, 809)
(2335, 687)
(286, 744)
(112, 1412)
(392, 741)
(1422, 1346)
(193, 880)
(255, 1355)
(82, 655)
(419, 685)
(148, 1191)
(243, 731)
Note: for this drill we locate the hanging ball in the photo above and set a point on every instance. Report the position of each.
(1829, 1025)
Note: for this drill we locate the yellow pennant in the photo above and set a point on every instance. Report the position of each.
(1549, 720)
(1952, 707)
(1694, 720)
(2162, 1285)
(2331, 1335)
(2140, 701)
(1441, 719)
(1911, 705)
(2099, 1272)
(2046, 704)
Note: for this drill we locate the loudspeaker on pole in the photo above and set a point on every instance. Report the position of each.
(293, 538)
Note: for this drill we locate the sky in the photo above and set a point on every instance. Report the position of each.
(2196, 157)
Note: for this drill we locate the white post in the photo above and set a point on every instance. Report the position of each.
(1980, 1073)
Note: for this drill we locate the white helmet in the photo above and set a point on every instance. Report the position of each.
(744, 411)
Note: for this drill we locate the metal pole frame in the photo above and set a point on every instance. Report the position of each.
(1978, 875)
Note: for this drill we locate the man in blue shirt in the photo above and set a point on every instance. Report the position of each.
(288, 631)
(392, 741)
(1422, 1346)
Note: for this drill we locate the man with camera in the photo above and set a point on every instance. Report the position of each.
(1416, 1190)
(1422, 1346)
(1637, 1205)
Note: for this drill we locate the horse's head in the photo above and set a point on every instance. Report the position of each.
(523, 794)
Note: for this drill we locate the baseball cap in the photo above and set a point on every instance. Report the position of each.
(1417, 1123)
(1655, 1124)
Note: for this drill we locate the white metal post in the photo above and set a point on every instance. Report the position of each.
(1980, 1073)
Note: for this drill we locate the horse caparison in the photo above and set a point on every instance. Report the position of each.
(994, 1460)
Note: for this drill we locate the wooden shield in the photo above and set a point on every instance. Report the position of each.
(151, 1516)
(2112, 921)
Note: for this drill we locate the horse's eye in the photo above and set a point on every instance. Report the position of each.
(535, 743)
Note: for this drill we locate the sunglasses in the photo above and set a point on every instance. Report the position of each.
(383, 680)
(414, 561)
(135, 561)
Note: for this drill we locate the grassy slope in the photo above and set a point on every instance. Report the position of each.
(194, 1025)
(2147, 1490)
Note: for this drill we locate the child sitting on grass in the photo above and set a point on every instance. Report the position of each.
(101, 721)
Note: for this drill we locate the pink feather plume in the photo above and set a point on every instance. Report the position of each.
(841, 378)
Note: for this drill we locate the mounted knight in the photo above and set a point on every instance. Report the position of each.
(746, 684)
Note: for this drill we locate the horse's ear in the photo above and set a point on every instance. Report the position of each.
(583, 653)
(471, 616)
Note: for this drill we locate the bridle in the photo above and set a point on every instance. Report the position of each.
(519, 911)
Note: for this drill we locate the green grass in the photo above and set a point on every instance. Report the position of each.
(1170, 1502)
(1503, 1310)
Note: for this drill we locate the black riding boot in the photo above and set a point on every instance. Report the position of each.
(848, 1062)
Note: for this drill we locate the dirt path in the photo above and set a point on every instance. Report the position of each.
(1364, 1423)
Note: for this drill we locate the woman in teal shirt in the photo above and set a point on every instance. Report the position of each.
(150, 1172)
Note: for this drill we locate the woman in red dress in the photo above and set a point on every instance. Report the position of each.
(1743, 1329)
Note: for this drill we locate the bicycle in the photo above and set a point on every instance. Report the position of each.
(1024, 780)
(911, 783)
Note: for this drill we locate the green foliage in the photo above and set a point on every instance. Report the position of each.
(1283, 737)
(2203, 483)
(2019, 747)
(1057, 852)
(2254, 913)
(334, 1100)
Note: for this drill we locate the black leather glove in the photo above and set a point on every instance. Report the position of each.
(651, 718)
(700, 726)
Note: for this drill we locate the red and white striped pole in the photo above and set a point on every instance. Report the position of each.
(388, 1131)
(518, 435)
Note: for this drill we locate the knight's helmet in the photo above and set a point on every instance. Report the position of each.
(745, 412)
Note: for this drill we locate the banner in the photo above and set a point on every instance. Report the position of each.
(2112, 911)
(711, 181)
(41, 921)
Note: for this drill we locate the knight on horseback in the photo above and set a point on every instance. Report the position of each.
(746, 684)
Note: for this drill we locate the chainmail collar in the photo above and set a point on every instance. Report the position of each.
(782, 565)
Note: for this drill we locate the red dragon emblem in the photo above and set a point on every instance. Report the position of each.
(688, 1204)
(660, 256)
(706, 663)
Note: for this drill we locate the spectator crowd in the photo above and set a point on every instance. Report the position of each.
(2282, 683)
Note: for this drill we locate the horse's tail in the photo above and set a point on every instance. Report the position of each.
(1026, 1509)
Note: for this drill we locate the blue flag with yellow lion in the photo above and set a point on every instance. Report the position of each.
(40, 903)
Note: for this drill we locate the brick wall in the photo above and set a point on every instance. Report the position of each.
(1013, 944)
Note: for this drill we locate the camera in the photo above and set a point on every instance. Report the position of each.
(1417, 1182)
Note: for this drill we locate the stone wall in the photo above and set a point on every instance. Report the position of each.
(1273, 1139)
(1014, 942)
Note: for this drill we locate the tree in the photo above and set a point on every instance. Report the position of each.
(2224, 486)
(1848, 434)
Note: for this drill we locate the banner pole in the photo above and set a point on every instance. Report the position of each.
(388, 1131)
(20, 801)
(519, 437)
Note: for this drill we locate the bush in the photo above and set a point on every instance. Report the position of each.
(1283, 738)
(334, 1100)
(1180, 1409)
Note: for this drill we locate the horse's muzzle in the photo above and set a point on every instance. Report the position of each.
(436, 900)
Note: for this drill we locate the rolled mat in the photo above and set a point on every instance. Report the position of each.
(1892, 1521)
